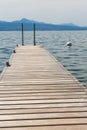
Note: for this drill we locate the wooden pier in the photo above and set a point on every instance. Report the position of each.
(38, 93)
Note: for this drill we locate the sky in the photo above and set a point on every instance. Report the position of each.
(49, 11)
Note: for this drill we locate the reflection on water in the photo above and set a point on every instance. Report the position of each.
(73, 58)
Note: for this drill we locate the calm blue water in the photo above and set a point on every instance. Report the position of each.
(73, 58)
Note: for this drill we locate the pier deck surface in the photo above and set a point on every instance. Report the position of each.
(38, 93)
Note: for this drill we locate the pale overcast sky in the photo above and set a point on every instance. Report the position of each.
(51, 11)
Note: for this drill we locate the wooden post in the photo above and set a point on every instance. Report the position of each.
(22, 34)
(34, 35)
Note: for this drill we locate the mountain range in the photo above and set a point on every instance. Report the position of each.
(40, 26)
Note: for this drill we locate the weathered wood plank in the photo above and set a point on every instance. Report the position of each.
(63, 127)
(46, 122)
(43, 110)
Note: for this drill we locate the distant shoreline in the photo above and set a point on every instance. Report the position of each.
(40, 26)
(38, 30)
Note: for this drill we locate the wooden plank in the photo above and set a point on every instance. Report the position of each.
(63, 127)
(40, 97)
(43, 110)
(47, 101)
(46, 122)
(43, 116)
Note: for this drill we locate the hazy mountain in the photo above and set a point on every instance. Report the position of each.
(68, 24)
(28, 26)
(24, 20)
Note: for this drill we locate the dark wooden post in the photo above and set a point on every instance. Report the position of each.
(22, 34)
(34, 35)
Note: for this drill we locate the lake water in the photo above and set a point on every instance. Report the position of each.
(73, 58)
